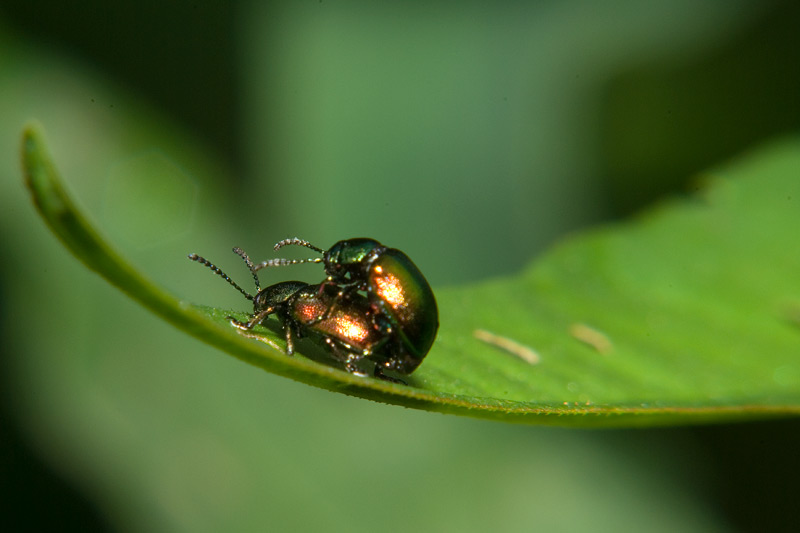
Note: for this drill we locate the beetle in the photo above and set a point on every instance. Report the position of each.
(347, 326)
(397, 291)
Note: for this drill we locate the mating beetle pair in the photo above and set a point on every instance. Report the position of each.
(375, 304)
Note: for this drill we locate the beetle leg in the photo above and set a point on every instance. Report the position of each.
(289, 340)
(350, 364)
(346, 356)
(326, 283)
(255, 320)
(379, 367)
(380, 375)
(258, 318)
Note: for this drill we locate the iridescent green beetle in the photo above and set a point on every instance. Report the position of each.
(402, 301)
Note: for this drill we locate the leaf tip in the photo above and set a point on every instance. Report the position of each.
(32, 138)
(33, 154)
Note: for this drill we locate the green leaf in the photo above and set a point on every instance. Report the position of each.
(689, 314)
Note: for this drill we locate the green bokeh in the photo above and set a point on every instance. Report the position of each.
(467, 137)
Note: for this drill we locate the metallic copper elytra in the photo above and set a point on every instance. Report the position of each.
(390, 289)
(308, 310)
(352, 329)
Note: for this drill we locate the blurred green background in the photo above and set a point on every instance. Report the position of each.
(470, 135)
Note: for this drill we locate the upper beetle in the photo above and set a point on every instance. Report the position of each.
(399, 294)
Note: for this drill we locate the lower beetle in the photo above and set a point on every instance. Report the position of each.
(347, 326)
(395, 287)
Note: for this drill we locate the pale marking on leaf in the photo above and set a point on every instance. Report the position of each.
(511, 346)
(592, 337)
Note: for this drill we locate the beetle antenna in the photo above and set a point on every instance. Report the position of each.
(223, 275)
(299, 242)
(285, 262)
(241, 253)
